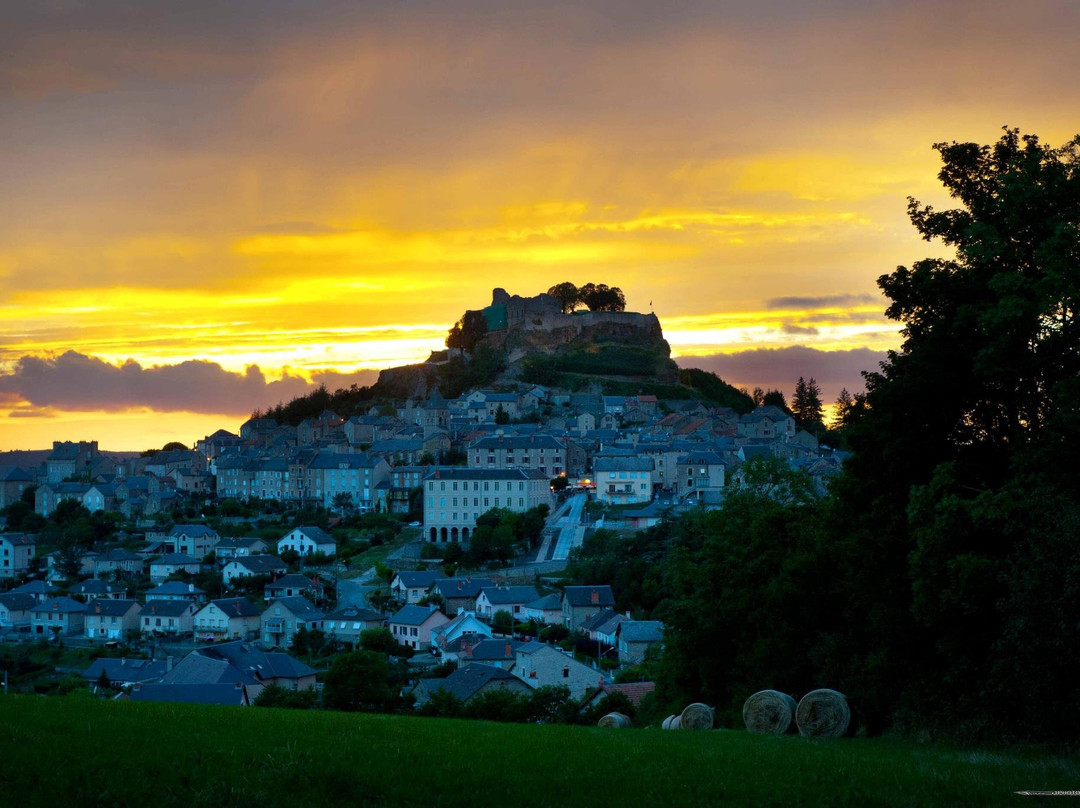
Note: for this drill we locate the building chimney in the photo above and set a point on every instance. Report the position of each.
(168, 663)
(594, 596)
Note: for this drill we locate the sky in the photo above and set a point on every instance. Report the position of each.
(209, 207)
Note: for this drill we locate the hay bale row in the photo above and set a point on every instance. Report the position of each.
(614, 721)
(769, 712)
(823, 714)
(671, 722)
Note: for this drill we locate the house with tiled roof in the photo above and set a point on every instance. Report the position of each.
(306, 541)
(412, 586)
(109, 619)
(61, 615)
(228, 549)
(540, 665)
(283, 618)
(119, 560)
(623, 480)
(288, 586)
(469, 682)
(634, 638)
(176, 591)
(252, 565)
(13, 481)
(167, 617)
(197, 541)
(412, 625)
(125, 672)
(511, 599)
(465, 623)
(16, 552)
(546, 610)
(172, 563)
(97, 588)
(227, 618)
(15, 611)
(40, 591)
(349, 622)
(459, 594)
(579, 603)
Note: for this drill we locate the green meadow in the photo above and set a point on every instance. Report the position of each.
(77, 751)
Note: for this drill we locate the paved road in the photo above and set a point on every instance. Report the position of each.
(568, 532)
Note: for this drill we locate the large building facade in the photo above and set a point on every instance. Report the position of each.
(454, 498)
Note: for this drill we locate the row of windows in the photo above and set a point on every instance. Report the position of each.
(476, 485)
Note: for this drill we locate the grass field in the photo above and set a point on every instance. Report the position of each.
(78, 751)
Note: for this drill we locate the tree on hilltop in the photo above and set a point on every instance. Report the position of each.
(467, 332)
(567, 295)
(601, 297)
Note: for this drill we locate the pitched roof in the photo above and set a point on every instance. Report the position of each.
(192, 531)
(355, 613)
(165, 608)
(584, 595)
(263, 665)
(462, 587)
(125, 670)
(18, 539)
(497, 595)
(418, 578)
(413, 615)
(316, 534)
(236, 607)
(464, 683)
(604, 621)
(260, 564)
(622, 464)
(107, 607)
(61, 604)
(642, 631)
(291, 581)
(298, 606)
(17, 601)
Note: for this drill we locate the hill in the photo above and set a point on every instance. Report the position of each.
(524, 341)
(126, 753)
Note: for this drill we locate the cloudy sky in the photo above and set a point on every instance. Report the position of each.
(208, 206)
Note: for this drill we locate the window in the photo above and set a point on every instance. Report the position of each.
(566, 673)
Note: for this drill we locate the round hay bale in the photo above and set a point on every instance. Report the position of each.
(823, 714)
(696, 716)
(614, 721)
(671, 722)
(768, 712)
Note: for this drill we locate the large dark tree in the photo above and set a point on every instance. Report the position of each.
(960, 495)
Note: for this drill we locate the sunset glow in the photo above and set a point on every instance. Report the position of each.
(320, 192)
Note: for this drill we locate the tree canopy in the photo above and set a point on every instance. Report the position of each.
(595, 296)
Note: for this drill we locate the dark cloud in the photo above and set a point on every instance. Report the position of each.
(780, 368)
(820, 301)
(791, 328)
(74, 381)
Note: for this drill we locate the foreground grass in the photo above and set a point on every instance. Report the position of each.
(78, 751)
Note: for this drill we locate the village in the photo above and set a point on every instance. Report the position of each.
(434, 471)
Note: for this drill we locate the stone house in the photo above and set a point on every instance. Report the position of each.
(579, 603)
(540, 665)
